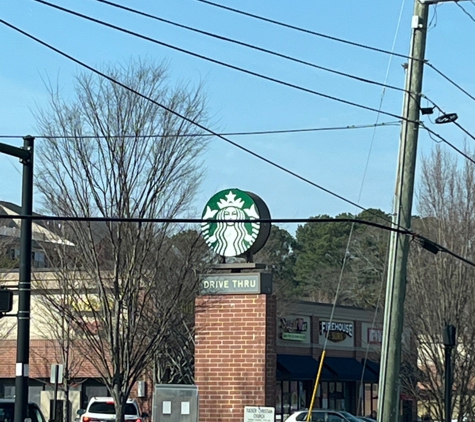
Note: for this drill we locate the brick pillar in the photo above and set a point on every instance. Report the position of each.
(235, 358)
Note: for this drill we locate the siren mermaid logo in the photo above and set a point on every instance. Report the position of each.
(231, 237)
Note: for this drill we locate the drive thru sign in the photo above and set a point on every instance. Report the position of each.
(263, 414)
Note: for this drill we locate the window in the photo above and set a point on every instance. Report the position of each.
(9, 392)
(316, 417)
(109, 409)
(350, 417)
(39, 259)
(333, 417)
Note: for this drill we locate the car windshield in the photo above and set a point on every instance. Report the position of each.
(350, 417)
(109, 409)
(316, 416)
(7, 413)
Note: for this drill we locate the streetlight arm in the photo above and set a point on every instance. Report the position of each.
(20, 153)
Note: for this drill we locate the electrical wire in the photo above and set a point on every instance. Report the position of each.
(215, 61)
(254, 47)
(379, 111)
(199, 125)
(262, 158)
(465, 11)
(340, 40)
(450, 80)
(442, 139)
(444, 112)
(92, 69)
(187, 135)
(433, 20)
(142, 220)
(307, 31)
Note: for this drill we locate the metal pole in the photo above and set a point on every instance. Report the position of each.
(24, 287)
(389, 394)
(448, 384)
(449, 339)
(55, 399)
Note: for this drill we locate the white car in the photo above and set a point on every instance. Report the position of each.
(102, 409)
(323, 415)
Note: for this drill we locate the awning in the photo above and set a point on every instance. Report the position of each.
(372, 366)
(300, 368)
(350, 369)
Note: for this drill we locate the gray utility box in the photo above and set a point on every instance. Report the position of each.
(175, 403)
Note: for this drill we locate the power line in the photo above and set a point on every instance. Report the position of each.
(240, 69)
(262, 158)
(199, 125)
(254, 47)
(340, 40)
(465, 11)
(454, 122)
(255, 74)
(307, 31)
(450, 80)
(257, 132)
(433, 245)
(441, 139)
(38, 217)
(142, 220)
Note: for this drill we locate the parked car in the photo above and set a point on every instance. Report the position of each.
(102, 409)
(7, 411)
(366, 419)
(323, 415)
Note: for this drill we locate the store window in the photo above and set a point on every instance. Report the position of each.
(333, 395)
(370, 402)
(278, 398)
(302, 396)
(324, 388)
(286, 398)
(294, 396)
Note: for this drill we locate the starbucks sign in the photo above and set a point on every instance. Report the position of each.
(228, 237)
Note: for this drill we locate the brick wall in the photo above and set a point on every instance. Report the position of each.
(43, 354)
(235, 357)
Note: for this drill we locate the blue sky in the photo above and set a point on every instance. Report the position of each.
(358, 164)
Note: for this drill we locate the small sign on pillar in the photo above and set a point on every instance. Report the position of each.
(262, 414)
(56, 376)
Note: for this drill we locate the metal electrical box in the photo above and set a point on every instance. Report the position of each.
(175, 403)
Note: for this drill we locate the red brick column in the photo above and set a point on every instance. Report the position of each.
(235, 360)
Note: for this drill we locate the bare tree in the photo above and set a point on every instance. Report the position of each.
(112, 153)
(174, 359)
(54, 296)
(441, 288)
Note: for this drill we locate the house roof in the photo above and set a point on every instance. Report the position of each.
(42, 231)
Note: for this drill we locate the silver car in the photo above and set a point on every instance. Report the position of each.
(323, 415)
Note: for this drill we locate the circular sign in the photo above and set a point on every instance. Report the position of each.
(230, 238)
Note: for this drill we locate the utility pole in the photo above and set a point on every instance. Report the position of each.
(389, 391)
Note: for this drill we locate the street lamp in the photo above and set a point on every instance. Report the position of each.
(25, 154)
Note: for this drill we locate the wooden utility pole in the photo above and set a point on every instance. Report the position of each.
(389, 391)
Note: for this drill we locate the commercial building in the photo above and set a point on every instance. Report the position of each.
(351, 338)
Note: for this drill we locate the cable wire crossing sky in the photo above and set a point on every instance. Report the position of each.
(282, 82)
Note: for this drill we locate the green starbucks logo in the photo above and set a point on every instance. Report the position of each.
(231, 237)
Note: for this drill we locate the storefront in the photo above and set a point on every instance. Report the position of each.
(350, 371)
